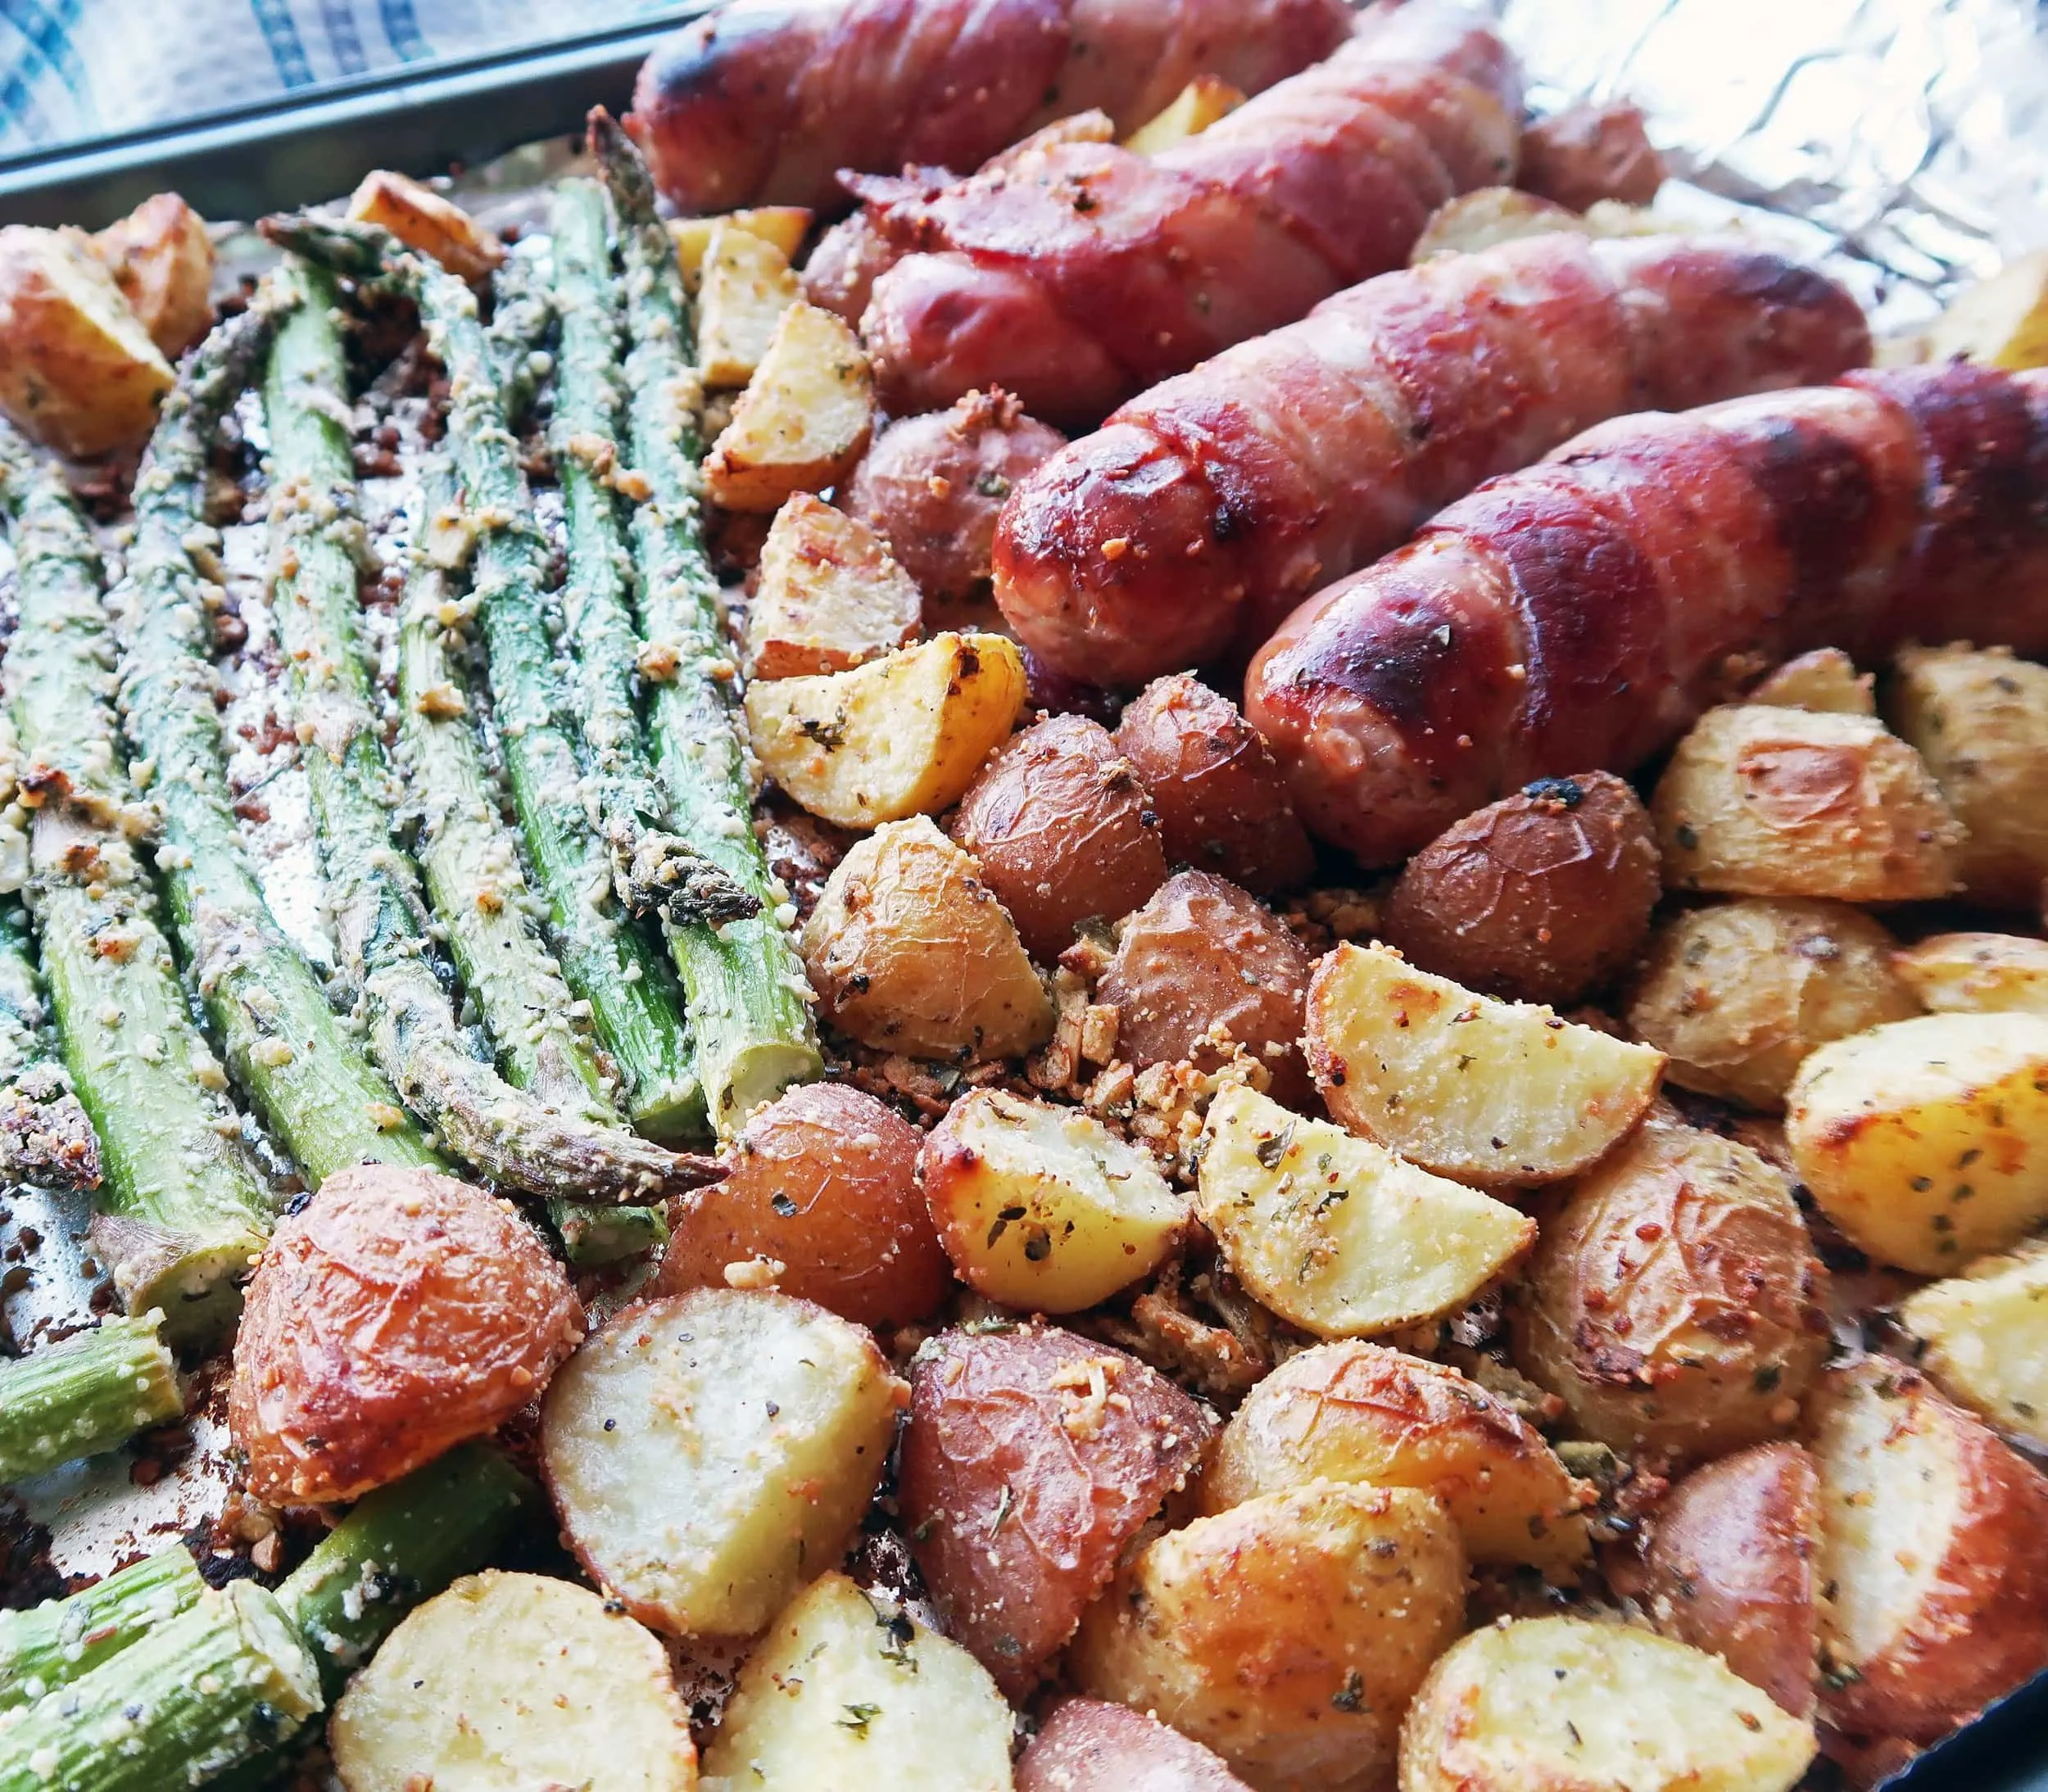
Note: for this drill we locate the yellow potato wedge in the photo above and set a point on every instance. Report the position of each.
(1985, 1333)
(1977, 974)
(1825, 679)
(899, 736)
(427, 221)
(1361, 1412)
(1495, 1093)
(1926, 1140)
(747, 285)
(846, 1688)
(830, 596)
(784, 226)
(1193, 110)
(2001, 322)
(162, 261)
(1490, 215)
(1043, 1208)
(804, 419)
(1544, 1704)
(1336, 1235)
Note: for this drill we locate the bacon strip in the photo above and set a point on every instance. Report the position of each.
(1584, 612)
(1185, 529)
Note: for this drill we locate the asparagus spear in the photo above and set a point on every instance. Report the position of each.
(181, 1211)
(314, 1082)
(749, 998)
(226, 1680)
(54, 1644)
(379, 918)
(522, 308)
(45, 1137)
(90, 1393)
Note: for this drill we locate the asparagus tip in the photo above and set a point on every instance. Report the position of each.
(46, 1137)
(663, 874)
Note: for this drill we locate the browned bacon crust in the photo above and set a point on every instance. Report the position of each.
(1185, 529)
(765, 101)
(1582, 612)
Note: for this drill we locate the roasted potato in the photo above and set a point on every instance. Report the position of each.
(1761, 800)
(1674, 1299)
(802, 421)
(1043, 1208)
(822, 1194)
(902, 736)
(1977, 974)
(1934, 1552)
(908, 952)
(1488, 216)
(745, 287)
(1087, 1745)
(784, 226)
(398, 1314)
(1194, 109)
(1590, 152)
(1286, 1634)
(540, 1678)
(1495, 1093)
(1825, 679)
(1731, 1567)
(1063, 831)
(1337, 1235)
(1926, 1140)
(830, 596)
(1222, 804)
(1361, 1412)
(1203, 963)
(1556, 1704)
(77, 369)
(1985, 1334)
(931, 487)
(1540, 897)
(1033, 1457)
(427, 221)
(2001, 322)
(1980, 721)
(846, 1686)
(1738, 994)
(707, 1452)
(161, 259)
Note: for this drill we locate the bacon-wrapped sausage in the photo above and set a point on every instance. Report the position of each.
(765, 101)
(1584, 611)
(1076, 273)
(1184, 531)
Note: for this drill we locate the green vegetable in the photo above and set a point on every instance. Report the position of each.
(51, 1645)
(46, 1137)
(88, 1394)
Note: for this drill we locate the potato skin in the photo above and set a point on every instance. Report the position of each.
(1738, 994)
(1203, 954)
(1673, 1298)
(1541, 896)
(1064, 830)
(400, 1313)
(161, 259)
(1088, 1746)
(823, 1180)
(1730, 1568)
(1223, 803)
(1287, 1634)
(1020, 1490)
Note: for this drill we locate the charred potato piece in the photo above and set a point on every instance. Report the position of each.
(830, 597)
(1731, 1568)
(1673, 1298)
(1222, 804)
(1488, 216)
(1760, 800)
(707, 1451)
(1203, 963)
(162, 261)
(1063, 831)
(1589, 152)
(1042, 1207)
(1495, 1093)
(1980, 721)
(802, 421)
(1977, 974)
(823, 1194)
(1926, 1140)
(745, 285)
(1086, 1745)
(785, 227)
(1286, 1634)
(1033, 1457)
(1540, 897)
(1934, 1547)
(427, 221)
(400, 1313)
(1738, 994)
(1985, 1338)
(910, 951)
(1555, 1704)
(1361, 1412)
(1825, 679)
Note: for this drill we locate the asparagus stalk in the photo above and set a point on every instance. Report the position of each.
(225, 1681)
(522, 308)
(54, 1644)
(380, 920)
(90, 1393)
(749, 998)
(180, 1212)
(313, 1081)
(45, 1137)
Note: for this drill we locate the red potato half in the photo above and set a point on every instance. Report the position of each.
(1032, 1458)
(1089, 1746)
